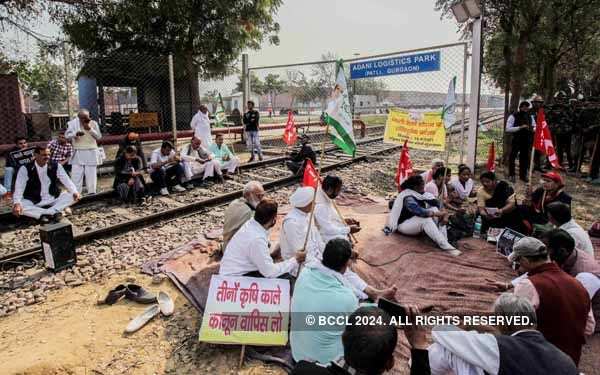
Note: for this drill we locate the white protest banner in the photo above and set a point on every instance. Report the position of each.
(247, 311)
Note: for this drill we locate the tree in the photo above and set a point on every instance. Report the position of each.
(205, 37)
(324, 74)
(44, 81)
(256, 85)
(370, 86)
(273, 86)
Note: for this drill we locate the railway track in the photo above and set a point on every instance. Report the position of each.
(94, 219)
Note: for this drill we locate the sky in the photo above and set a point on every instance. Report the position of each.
(348, 28)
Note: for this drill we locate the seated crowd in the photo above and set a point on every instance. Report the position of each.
(559, 290)
(75, 155)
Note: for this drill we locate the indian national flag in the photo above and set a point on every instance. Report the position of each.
(220, 114)
(338, 115)
(449, 111)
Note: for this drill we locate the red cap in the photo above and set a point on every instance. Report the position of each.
(554, 176)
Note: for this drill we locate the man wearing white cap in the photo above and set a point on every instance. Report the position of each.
(293, 234)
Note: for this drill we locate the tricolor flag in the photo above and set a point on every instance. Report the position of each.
(290, 135)
(311, 177)
(338, 115)
(220, 116)
(491, 162)
(449, 111)
(404, 165)
(543, 139)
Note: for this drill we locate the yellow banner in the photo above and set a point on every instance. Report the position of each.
(424, 131)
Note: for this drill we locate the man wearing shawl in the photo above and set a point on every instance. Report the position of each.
(415, 211)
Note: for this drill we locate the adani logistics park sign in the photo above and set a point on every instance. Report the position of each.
(423, 62)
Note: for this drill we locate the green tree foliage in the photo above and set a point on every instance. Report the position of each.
(273, 85)
(206, 37)
(43, 79)
(256, 85)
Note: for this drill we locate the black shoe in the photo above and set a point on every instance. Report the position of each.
(138, 294)
(44, 219)
(57, 217)
(260, 157)
(251, 159)
(115, 294)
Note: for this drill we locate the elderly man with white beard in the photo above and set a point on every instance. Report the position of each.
(241, 210)
(293, 233)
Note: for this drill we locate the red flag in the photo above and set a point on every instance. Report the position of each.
(491, 162)
(290, 134)
(311, 177)
(404, 165)
(543, 139)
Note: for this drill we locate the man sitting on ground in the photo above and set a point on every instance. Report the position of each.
(518, 350)
(228, 162)
(197, 159)
(576, 263)
(297, 159)
(247, 254)
(321, 287)
(559, 214)
(369, 349)
(428, 175)
(166, 168)
(562, 304)
(328, 221)
(37, 193)
(61, 151)
(293, 234)
(11, 166)
(241, 210)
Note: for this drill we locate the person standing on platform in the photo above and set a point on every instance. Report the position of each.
(61, 151)
(201, 126)
(251, 125)
(84, 132)
(37, 192)
(521, 126)
(228, 162)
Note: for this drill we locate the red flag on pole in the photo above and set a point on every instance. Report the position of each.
(404, 165)
(311, 177)
(290, 135)
(543, 139)
(491, 162)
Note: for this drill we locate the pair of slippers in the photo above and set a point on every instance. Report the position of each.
(165, 306)
(160, 304)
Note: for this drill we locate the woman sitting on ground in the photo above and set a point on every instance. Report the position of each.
(129, 182)
(535, 207)
(463, 183)
(496, 203)
(132, 139)
(415, 211)
(438, 187)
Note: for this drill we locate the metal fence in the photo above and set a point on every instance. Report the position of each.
(133, 91)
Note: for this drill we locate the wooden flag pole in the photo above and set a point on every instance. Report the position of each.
(530, 172)
(242, 353)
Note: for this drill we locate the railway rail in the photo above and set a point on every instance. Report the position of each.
(110, 220)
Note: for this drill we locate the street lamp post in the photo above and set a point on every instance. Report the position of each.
(464, 11)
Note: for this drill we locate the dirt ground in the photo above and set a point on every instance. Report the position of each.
(71, 334)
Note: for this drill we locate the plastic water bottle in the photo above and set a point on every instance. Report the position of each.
(477, 228)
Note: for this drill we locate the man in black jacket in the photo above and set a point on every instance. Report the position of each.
(251, 125)
(37, 193)
(521, 126)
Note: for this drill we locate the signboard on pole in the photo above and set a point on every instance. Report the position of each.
(424, 130)
(246, 311)
(419, 63)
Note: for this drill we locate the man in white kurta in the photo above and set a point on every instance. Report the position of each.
(247, 254)
(39, 196)
(200, 124)
(83, 133)
(328, 221)
(293, 235)
(197, 159)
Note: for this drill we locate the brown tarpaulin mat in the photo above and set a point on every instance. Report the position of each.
(424, 275)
